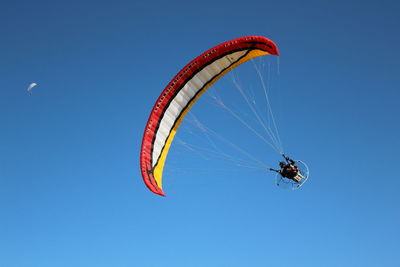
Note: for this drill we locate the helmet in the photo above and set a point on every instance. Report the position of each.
(282, 164)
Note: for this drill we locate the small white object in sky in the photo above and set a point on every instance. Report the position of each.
(30, 87)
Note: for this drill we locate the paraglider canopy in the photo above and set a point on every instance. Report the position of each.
(183, 91)
(29, 90)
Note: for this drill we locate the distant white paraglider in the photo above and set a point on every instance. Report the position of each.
(30, 87)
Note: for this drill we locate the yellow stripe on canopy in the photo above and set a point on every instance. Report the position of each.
(158, 169)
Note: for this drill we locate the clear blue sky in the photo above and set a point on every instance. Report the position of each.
(71, 193)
